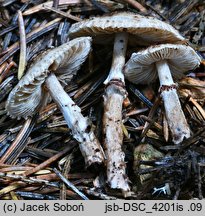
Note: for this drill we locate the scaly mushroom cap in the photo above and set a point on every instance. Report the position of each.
(141, 67)
(143, 30)
(64, 61)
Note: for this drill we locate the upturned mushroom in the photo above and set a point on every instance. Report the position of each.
(27, 96)
(122, 28)
(164, 61)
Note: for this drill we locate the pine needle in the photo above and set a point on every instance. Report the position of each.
(22, 59)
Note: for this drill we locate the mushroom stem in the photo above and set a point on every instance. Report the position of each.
(174, 114)
(118, 60)
(114, 95)
(80, 126)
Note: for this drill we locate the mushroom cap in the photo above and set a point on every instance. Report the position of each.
(64, 61)
(143, 30)
(141, 67)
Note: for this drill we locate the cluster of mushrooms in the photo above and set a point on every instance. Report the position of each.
(167, 55)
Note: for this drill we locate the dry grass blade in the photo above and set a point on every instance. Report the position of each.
(66, 170)
(10, 188)
(97, 194)
(165, 128)
(136, 112)
(16, 142)
(30, 180)
(5, 73)
(192, 140)
(191, 85)
(150, 116)
(36, 196)
(136, 5)
(181, 9)
(47, 112)
(30, 37)
(157, 12)
(28, 153)
(54, 177)
(50, 4)
(69, 184)
(8, 29)
(50, 160)
(3, 23)
(89, 88)
(100, 6)
(22, 59)
(140, 96)
(151, 121)
(13, 169)
(64, 14)
(3, 67)
(197, 105)
(6, 2)
(13, 195)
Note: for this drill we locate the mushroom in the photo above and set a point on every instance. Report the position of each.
(166, 60)
(28, 95)
(123, 28)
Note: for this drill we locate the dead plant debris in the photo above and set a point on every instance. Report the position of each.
(41, 150)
